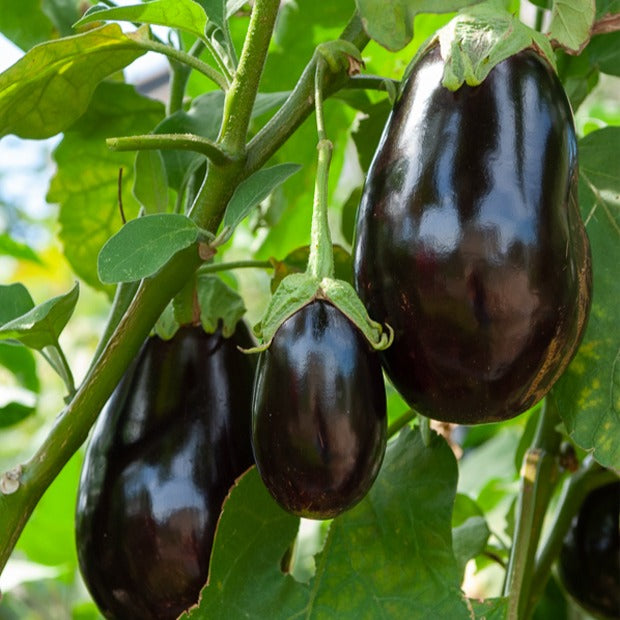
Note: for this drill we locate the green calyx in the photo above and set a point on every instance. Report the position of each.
(300, 289)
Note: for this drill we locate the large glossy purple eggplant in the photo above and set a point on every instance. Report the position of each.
(589, 562)
(469, 241)
(165, 451)
(319, 413)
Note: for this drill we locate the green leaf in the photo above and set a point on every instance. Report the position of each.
(17, 398)
(167, 325)
(252, 191)
(144, 245)
(604, 49)
(391, 23)
(25, 23)
(86, 181)
(41, 326)
(216, 11)
(48, 89)
(16, 249)
(150, 185)
(364, 569)
(481, 37)
(183, 14)
(470, 531)
(490, 609)
(571, 23)
(219, 305)
(15, 301)
(588, 394)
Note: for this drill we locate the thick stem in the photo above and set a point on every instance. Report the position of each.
(574, 491)
(300, 103)
(539, 476)
(187, 59)
(240, 99)
(170, 142)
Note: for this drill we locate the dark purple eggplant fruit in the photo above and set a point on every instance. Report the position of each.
(165, 451)
(589, 563)
(469, 241)
(319, 413)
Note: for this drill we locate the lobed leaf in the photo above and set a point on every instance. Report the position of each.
(144, 245)
(42, 325)
(87, 176)
(50, 87)
(588, 394)
(183, 14)
(388, 557)
(391, 23)
(219, 305)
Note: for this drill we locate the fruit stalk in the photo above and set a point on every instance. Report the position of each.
(321, 258)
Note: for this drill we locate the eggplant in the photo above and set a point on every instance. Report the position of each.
(589, 562)
(469, 241)
(169, 444)
(318, 413)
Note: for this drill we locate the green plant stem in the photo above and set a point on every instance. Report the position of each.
(370, 82)
(300, 103)
(178, 80)
(321, 257)
(123, 296)
(187, 59)
(238, 264)
(170, 142)
(574, 491)
(55, 357)
(539, 476)
(400, 422)
(242, 94)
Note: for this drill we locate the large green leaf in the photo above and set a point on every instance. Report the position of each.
(25, 23)
(588, 394)
(391, 23)
(183, 14)
(48, 89)
(144, 245)
(40, 327)
(389, 557)
(16, 300)
(571, 23)
(86, 182)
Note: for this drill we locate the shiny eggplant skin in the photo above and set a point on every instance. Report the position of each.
(469, 241)
(318, 413)
(165, 451)
(589, 562)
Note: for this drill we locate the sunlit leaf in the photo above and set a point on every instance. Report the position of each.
(41, 326)
(184, 14)
(86, 181)
(588, 394)
(48, 89)
(11, 247)
(144, 245)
